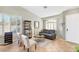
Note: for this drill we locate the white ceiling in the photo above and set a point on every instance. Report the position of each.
(49, 11)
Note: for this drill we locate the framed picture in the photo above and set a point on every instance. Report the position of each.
(36, 24)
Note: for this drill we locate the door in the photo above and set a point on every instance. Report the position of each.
(72, 28)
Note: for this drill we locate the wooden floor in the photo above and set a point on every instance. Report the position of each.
(57, 45)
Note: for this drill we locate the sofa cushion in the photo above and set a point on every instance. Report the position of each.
(48, 33)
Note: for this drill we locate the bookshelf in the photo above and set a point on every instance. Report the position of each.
(27, 28)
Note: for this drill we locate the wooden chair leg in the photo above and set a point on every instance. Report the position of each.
(35, 47)
(27, 49)
(24, 47)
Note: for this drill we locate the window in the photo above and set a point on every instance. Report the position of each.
(6, 23)
(50, 24)
(18, 23)
(9, 23)
(13, 24)
(0, 24)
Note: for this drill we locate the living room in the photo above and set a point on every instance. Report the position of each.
(38, 28)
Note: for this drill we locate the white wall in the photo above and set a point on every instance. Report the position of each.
(72, 24)
(60, 27)
(35, 31)
(19, 11)
(61, 21)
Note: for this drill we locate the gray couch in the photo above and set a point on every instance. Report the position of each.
(49, 34)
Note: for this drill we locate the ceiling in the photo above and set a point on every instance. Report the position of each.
(47, 11)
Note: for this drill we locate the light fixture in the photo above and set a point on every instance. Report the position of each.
(45, 7)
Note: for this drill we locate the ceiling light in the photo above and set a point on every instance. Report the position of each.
(45, 7)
